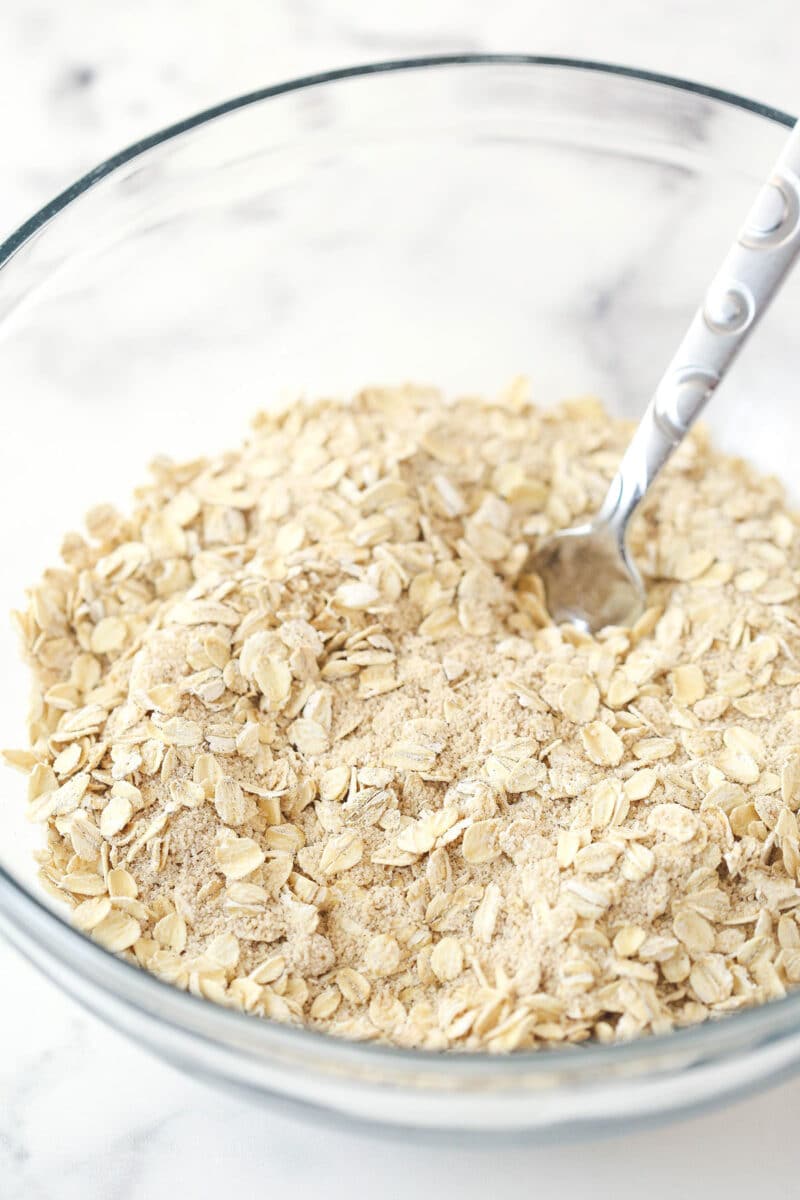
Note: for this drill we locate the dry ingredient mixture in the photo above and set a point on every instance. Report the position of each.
(304, 743)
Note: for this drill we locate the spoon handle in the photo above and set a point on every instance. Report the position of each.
(740, 293)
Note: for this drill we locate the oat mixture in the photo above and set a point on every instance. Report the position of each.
(304, 743)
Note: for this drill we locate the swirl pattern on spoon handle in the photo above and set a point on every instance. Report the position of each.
(741, 291)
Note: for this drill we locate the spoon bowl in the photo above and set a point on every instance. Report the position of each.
(589, 577)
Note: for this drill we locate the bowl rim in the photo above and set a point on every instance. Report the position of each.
(33, 927)
(28, 228)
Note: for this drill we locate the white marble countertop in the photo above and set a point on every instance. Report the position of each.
(84, 1114)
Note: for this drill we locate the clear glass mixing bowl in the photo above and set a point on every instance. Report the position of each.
(451, 221)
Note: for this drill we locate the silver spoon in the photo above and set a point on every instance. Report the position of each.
(588, 574)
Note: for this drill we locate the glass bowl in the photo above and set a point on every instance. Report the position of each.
(455, 221)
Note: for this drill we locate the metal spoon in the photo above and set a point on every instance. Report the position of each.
(589, 576)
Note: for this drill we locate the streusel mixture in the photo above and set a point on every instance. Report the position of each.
(304, 742)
